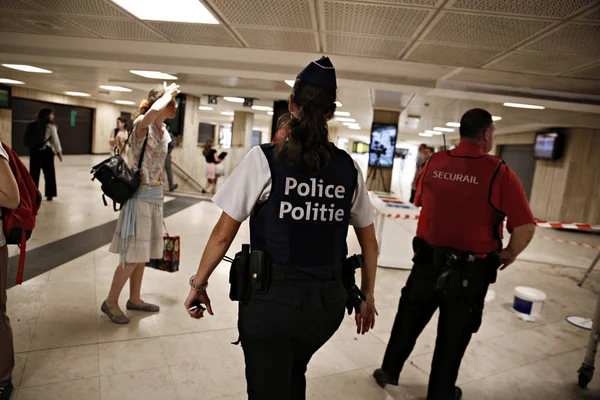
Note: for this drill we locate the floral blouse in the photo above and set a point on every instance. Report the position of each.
(156, 151)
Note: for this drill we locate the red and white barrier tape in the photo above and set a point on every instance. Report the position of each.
(585, 245)
(567, 225)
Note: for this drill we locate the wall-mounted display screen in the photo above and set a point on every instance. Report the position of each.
(5, 95)
(383, 145)
(549, 145)
(360, 148)
(176, 123)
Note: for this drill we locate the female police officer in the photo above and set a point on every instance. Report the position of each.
(301, 193)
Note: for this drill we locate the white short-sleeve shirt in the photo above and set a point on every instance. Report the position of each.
(250, 184)
(4, 155)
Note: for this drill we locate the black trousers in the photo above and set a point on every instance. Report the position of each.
(281, 330)
(460, 317)
(44, 160)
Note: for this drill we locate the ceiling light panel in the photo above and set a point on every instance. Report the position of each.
(528, 106)
(187, 11)
(443, 129)
(153, 74)
(125, 102)
(11, 81)
(239, 100)
(345, 119)
(262, 108)
(78, 94)
(205, 108)
(27, 68)
(115, 88)
(342, 114)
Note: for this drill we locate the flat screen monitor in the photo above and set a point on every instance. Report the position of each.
(383, 145)
(5, 96)
(549, 145)
(360, 148)
(176, 123)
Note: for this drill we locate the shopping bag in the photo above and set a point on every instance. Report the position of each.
(170, 258)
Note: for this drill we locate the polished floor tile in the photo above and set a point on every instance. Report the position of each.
(60, 365)
(67, 349)
(88, 389)
(132, 355)
(153, 384)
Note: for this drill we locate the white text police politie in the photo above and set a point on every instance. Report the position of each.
(313, 211)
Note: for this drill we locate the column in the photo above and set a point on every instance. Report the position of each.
(280, 107)
(241, 129)
(333, 134)
(379, 178)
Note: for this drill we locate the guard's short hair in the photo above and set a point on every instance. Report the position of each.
(474, 123)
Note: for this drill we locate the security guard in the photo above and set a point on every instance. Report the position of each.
(465, 195)
(301, 194)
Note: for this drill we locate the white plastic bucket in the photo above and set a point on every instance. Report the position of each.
(529, 301)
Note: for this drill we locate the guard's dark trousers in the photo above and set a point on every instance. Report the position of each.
(281, 330)
(460, 317)
(44, 160)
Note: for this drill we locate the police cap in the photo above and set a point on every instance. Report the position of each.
(319, 73)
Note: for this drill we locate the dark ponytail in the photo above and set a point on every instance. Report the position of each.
(306, 146)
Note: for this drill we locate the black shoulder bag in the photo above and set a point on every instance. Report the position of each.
(119, 181)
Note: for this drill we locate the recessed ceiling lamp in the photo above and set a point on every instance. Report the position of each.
(262, 108)
(234, 99)
(350, 123)
(529, 106)
(339, 104)
(433, 132)
(228, 113)
(271, 113)
(342, 114)
(496, 118)
(290, 82)
(354, 127)
(190, 11)
(453, 124)
(27, 68)
(153, 74)
(78, 94)
(425, 134)
(11, 81)
(115, 88)
(125, 102)
(205, 108)
(345, 119)
(442, 129)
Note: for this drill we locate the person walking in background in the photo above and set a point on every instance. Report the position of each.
(423, 156)
(139, 234)
(212, 160)
(168, 164)
(118, 139)
(9, 198)
(42, 140)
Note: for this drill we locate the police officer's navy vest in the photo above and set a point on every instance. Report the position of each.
(304, 223)
(456, 199)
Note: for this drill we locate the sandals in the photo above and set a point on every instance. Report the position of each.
(147, 307)
(117, 319)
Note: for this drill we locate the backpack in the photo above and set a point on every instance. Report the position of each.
(34, 139)
(119, 181)
(18, 224)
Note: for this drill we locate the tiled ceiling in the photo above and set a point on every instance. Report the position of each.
(509, 35)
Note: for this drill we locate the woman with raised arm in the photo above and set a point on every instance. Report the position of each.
(139, 234)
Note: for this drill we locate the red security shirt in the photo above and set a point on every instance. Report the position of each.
(465, 195)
